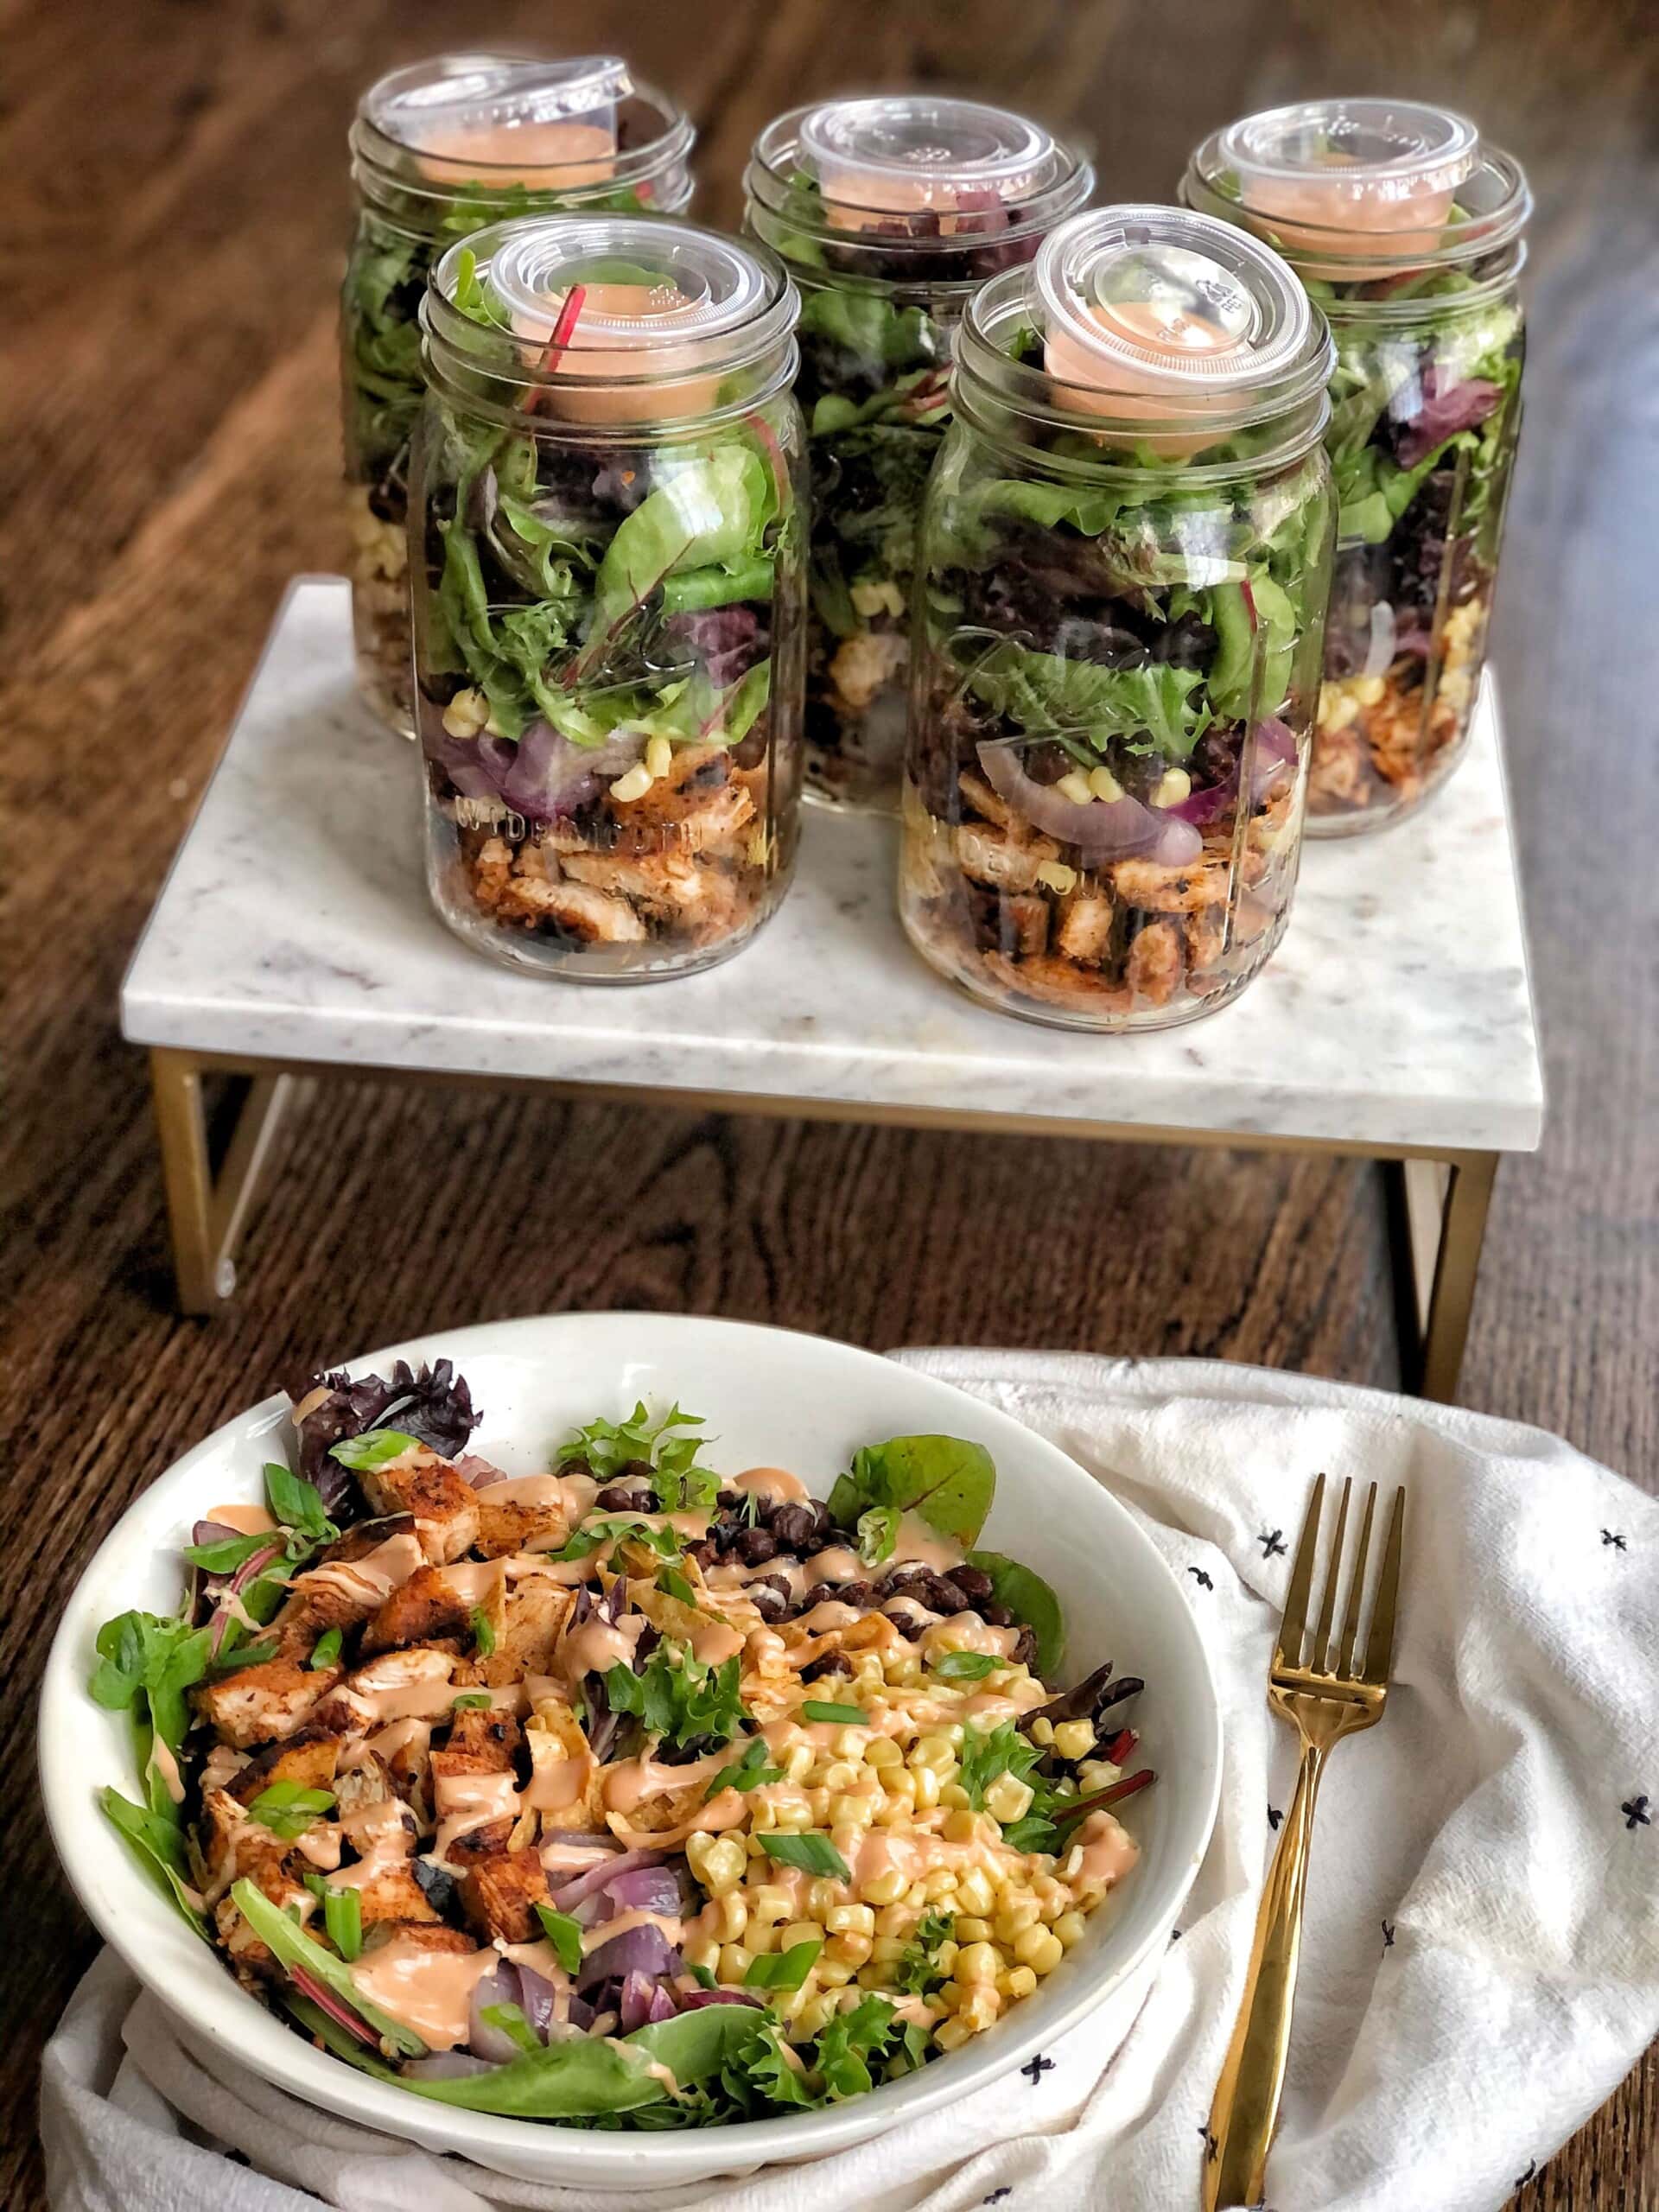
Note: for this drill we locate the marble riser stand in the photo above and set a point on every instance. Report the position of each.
(294, 932)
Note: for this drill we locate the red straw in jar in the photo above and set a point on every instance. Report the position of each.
(563, 328)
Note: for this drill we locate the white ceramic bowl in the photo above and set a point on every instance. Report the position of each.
(769, 1397)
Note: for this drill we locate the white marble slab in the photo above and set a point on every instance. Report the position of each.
(294, 926)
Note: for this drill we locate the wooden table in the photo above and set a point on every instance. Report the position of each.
(176, 217)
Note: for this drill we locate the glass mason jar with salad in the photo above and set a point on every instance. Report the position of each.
(1406, 229)
(890, 213)
(610, 590)
(438, 150)
(1126, 550)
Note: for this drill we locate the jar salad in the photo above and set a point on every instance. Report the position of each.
(609, 593)
(1126, 550)
(890, 212)
(438, 150)
(1406, 230)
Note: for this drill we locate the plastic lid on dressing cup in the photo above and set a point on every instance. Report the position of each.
(548, 124)
(914, 153)
(1384, 173)
(622, 313)
(1151, 314)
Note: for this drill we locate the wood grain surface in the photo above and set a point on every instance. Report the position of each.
(177, 207)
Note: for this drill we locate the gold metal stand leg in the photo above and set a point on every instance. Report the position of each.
(1445, 1206)
(206, 1214)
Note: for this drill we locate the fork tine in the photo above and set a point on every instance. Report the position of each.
(1288, 1650)
(1345, 1665)
(1379, 1644)
(1318, 1656)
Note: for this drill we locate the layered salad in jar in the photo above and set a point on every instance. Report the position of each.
(609, 597)
(1406, 229)
(1127, 550)
(439, 150)
(890, 212)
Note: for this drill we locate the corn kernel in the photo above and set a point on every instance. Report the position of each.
(850, 1949)
(867, 1670)
(761, 1936)
(466, 713)
(1075, 787)
(881, 1751)
(883, 1889)
(836, 1973)
(960, 1825)
(1068, 1929)
(1172, 787)
(1042, 1730)
(895, 1920)
(972, 1931)
(981, 2009)
(1038, 1949)
(838, 1776)
(850, 1744)
(637, 782)
(1018, 1981)
(1016, 1916)
(798, 1762)
(770, 1903)
(1368, 690)
(731, 1914)
(886, 1949)
(899, 1783)
(813, 2019)
(818, 1799)
(848, 1810)
(719, 1867)
(940, 1884)
(735, 1962)
(973, 1891)
(659, 756)
(1008, 1798)
(763, 1817)
(753, 1846)
(873, 1976)
(953, 1795)
(949, 1997)
(1058, 877)
(1102, 783)
(1074, 1740)
(927, 1788)
(705, 1953)
(951, 2035)
(976, 1962)
(850, 1920)
(799, 1931)
(1097, 1774)
(936, 1751)
(822, 1896)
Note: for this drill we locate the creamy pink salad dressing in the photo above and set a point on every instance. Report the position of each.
(481, 1582)
(1142, 390)
(247, 1520)
(376, 1575)
(465, 1801)
(163, 1763)
(1102, 1853)
(403, 1686)
(629, 1783)
(377, 1833)
(430, 1991)
(557, 1779)
(716, 1642)
(775, 1484)
(598, 1645)
(918, 1544)
(549, 157)
(594, 1939)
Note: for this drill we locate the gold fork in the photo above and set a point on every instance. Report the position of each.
(1326, 1697)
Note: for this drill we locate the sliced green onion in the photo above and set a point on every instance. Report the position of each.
(342, 1916)
(564, 1934)
(483, 1634)
(853, 1715)
(325, 1651)
(813, 1852)
(783, 1969)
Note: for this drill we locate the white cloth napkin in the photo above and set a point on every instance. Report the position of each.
(1481, 1960)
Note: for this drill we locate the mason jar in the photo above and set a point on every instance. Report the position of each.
(1126, 550)
(610, 592)
(1406, 228)
(890, 213)
(439, 150)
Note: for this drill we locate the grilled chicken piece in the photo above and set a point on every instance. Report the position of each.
(367, 1536)
(1085, 929)
(499, 1892)
(1029, 914)
(1058, 983)
(341, 1592)
(482, 1740)
(309, 1757)
(423, 1610)
(700, 806)
(510, 1527)
(1171, 890)
(669, 885)
(526, 1633)
(381, 1833)
(260, 1704)
(577, 908)
(1206, 938)
(1157, 962)
(235, 1848)
(443, 1504)
(356, 1704)
(990, 857)
(984, 800)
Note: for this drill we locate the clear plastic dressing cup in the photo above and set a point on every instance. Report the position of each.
(551, 124)
(1153, 315)
(1323, 172)
(912, 153)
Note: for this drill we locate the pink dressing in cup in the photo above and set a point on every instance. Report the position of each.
(1157, 317)
(548, 124)
(907, 154)
(1380, 175)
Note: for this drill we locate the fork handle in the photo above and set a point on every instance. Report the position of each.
(1246, 2107)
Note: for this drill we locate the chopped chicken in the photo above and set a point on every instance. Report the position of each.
(444, 1505)
(258, 1703)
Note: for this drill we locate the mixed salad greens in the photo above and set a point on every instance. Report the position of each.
(1103, 814)
(406, 223)
(607, 637)
(622, 1794)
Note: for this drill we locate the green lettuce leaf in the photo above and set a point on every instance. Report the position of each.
(1030, 1599)
(947, 1481)
(1158, 709)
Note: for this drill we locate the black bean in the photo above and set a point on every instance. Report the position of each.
(703, 1552)
(998, 1616)
(795, 1526)
(755, 1546)
(973, 1582)
(770, 1604)
(833, 1663)
(824, 1526)
(854, 1593)
(1024, 1647)
(732, 1501)
(819, 1594)
(899, 1580)
(626, 1498)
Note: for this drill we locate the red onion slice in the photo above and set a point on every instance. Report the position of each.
(595, 1879)
(500, 1988)
(1103, 830)
(646, 1889)
(643, 1950)
(250, 1571)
